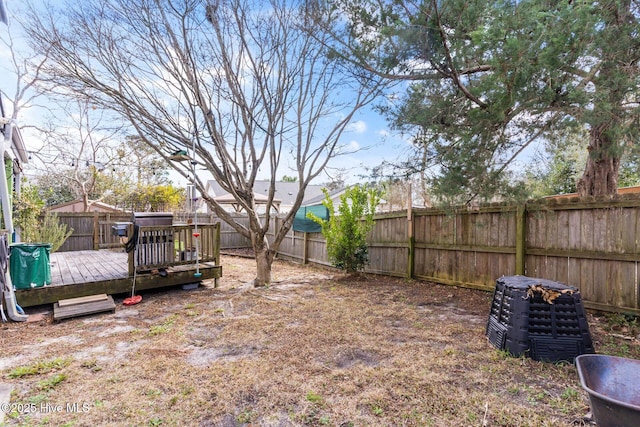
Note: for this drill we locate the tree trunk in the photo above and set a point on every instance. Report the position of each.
(600, 177)
(264, 259)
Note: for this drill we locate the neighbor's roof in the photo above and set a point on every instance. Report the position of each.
(621, 190)
(317, 200)
(227, 198)
(286, 192)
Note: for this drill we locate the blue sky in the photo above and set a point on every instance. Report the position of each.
(368, 135)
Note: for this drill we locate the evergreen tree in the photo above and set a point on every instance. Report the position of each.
(490, 78)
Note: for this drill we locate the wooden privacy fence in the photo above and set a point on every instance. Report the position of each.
(229, 237)
(591, 244)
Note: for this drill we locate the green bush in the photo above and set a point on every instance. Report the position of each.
(36, 224)
(346, 231)
(51, 231)
(27, 209)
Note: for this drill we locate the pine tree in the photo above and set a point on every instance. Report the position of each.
(490, 78)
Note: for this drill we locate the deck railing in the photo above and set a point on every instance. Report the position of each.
(167, 246)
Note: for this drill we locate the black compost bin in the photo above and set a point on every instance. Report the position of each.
(542, 319)
(29, 265)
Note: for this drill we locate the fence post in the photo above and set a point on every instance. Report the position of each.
(412, 242)
(305, 247)
(96, 231)
(216, 281)
(520, 238)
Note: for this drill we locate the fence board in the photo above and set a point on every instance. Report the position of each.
(561, 237)
(626, 230)
(574, 226)
(82, 236)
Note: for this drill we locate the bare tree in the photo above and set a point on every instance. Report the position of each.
(240, 86)
(83, 156)
(80, 147)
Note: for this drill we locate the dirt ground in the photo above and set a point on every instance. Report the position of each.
(314, 348)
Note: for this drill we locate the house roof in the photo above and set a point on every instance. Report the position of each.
(286, 192)
(317, 200)
(621, 190)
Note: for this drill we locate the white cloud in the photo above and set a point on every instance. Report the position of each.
(357, 127)
(354, 145)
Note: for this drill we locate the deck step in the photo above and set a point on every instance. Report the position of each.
(82, 306)
(83, 300)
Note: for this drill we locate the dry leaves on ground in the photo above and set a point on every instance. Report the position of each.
(315, 348)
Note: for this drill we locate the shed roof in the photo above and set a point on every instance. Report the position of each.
(78, 206)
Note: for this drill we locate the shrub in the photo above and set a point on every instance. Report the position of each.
(51, 231)
(27, 209)
(346, 231)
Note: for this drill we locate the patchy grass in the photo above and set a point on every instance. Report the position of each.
(39, 367)
(50, 383)
(166, 325)
(315, 348)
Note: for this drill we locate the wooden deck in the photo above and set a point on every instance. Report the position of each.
(83, 273)
(70, 268)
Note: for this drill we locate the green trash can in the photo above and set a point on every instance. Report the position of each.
(29, 265)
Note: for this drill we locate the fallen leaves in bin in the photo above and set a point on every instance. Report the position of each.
(548, 295)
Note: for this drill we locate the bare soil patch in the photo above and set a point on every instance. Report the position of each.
(315, 348)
